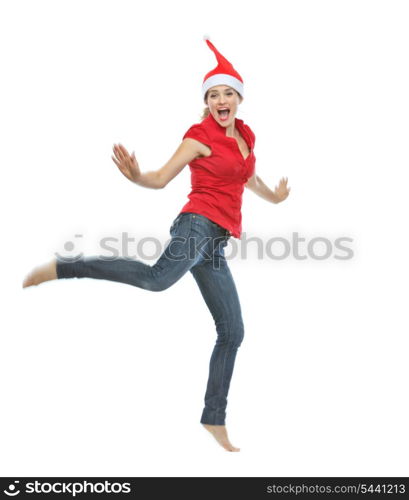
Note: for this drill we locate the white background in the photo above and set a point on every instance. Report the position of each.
(100, 378)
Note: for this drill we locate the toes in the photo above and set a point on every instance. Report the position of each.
(28, 281)
(229, 447)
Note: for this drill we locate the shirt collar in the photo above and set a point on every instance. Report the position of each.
(211, 122)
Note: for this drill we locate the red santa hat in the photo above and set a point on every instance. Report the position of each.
(222, 74)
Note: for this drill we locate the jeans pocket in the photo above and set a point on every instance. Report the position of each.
(205, 221)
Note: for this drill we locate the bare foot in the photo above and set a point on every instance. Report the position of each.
(220, 434)
(42, 273)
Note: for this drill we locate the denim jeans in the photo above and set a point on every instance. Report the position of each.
(196, 245)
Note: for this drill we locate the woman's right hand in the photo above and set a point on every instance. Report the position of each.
(126, 163)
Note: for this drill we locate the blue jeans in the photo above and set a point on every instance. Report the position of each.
(197, 245)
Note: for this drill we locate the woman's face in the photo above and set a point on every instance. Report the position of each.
(223, 96)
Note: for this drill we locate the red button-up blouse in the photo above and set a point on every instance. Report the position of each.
(218, 180)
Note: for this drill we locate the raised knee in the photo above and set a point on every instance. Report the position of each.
(158, 286)
(159, 282)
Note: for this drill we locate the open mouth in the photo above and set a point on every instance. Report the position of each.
(223, 114)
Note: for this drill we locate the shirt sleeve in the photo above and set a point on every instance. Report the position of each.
(196, 132)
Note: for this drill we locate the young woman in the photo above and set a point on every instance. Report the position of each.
(219, 151)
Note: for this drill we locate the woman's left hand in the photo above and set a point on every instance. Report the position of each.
(282, 191)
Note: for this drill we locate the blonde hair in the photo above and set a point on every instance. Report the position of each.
(206, 111)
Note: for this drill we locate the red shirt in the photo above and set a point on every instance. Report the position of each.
(218, 180)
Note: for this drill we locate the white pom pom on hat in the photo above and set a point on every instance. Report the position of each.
(222, 74)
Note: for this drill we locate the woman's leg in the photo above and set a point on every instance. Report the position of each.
(218, 289)
(177, 258)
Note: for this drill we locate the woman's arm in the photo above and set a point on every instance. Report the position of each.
(258, 187)
(188, 150)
